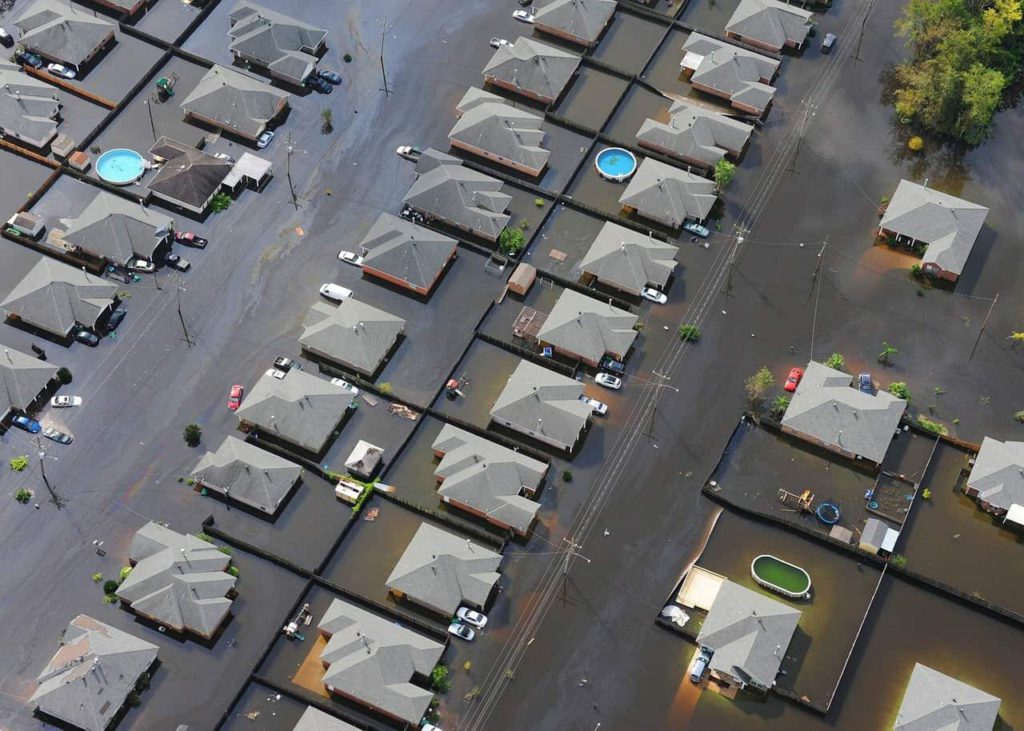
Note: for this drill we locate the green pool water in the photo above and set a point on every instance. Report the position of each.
(791, 579)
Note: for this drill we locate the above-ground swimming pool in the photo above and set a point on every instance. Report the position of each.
(615, 163)
(120, 166)
(781, 577)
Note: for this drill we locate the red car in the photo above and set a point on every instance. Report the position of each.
(793, 379)
(235, 397)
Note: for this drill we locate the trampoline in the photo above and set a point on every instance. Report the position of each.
(828, 513)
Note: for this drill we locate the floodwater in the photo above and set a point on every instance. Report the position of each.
(629, 42)
(263, 709)
(639, 105)
(484, 372)
(567, 232)
(591, 98)
(710, 15)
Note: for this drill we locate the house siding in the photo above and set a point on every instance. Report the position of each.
(826, 445)
(502, 84)
(559, 33)
(533, 434)
(519, 167)
(371, 271)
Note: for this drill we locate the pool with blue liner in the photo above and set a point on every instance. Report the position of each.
(120, 166)
(615, 164)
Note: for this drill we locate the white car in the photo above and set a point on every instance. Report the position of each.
(335, 292)
(499, 42)
(469, 616)
(350, 257)
(59, 69)
(409, 152)
(654, 295)
(63, 402)
(279, 375)
(523, 16)
(342, 383)
(224, 156)
(608, 381)
(461, 631)
(600, 408)
(141, 265)
(264, 139)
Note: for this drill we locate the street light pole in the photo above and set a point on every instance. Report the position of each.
(152, 124)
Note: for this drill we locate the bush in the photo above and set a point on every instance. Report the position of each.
(23, 496)
(836, 361)
(898, 560)
(511, 241)
(193, 434)
(885, 357)
(926, 494)
(347, 57)
(539, 202)
(439, 680)
(205, 537)
(899, 390)
(567, 476)
(64, 375)
(1019, 417)
(915, 143)
(18, 464)
(779, 406)
(363, 497)
(933, 426)
(97, 577)
(386, 388)
(110, 598)
(757, 387)
(226, 550)
(689, 333)
(110, 586)
(125, 570)
(221, 202)
(233, 570)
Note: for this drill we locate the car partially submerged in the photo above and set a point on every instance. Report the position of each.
(65, 402)
(598, 408)
(608, 381)
(57, 435)
(462, 631)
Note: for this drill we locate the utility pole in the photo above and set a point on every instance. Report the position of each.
(383, 73)
(570, 552)
(152, 124)
(156, 280)
(983, 325)
(817, 267)
(181, 318)
(732, 258)
(860, 38)
(55, 497)
(290, 147)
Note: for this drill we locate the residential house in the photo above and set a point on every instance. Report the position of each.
(996, 481)
(24, 382)
(934, 701)
(493, 129)
(948, 226)
(313, 719)
(61, 32)
(620, 257)
(588, 329)
(129, 7)
(769, 24)
(721, 69)
(373, 660)
(668, 195)
(577, 21)
(354, 335)
(533, 69)
(232, 101)
(442, 571)
(186, 178)
(88, 681)
(285, 47)
(117, 230)
(827, 411)
(459, 197)
(29, 108)
(58, 298)
(250, 475)
(407, 255)
(178, 581)
(749, 633)
(695, 134)
(300, 409)
(249, 171)
(543, 405)
(486, 479)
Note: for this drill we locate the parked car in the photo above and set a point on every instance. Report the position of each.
(828, 42)
(28, 424)
(608, 381)
(275, 373)
(29, 59)
(654, 295)
(608, 363)
(499, 42)
(115, 319)
(526, 3)
(6, 38)
(235, 396)
(264, 139)
(523, 16)
(86, 337)
(224, 156)
(342, 383)
(335, 292)
(350, 257)
(330, 77)
(695, 228)
(317, 84)
(463, 632)
(411, 214)
(286, 364)
(59, 69)
(599, 408)
(865, 384)
(187, 238)
(469, 616)
(409, 152)
(142, 265)
(699, 666)
(57, 435)
(793, 379)
(64, 402)
(175, 261)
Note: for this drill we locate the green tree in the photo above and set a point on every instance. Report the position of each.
(64, 375)
(18, 464)
(725, 171)
(899, 390)
(193, 434)
(23, 496)
(439, 680)
(757, 387)
(511, 241)
(689, 333)
(326, 120)
(779, 406)
(836, 361)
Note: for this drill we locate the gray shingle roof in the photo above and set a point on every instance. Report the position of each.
(733, 71)
(313, 719)
(55, 297)
(667, 194)
(581, 19)
(460, 196)
(695, 133)
(188, 176)
(539, 400)
(178, 580)
(487, 476)
(587, 327)
(749, 633)
(89, 678)
(29, 108)
(249, 474)
(300, 408)
(59, 30)
(934, 701)
(441, 570)
(234, 100)
(352, 333)
(401, 249)
(770, 22)
(826, 408)
(22, 379)
(533, 66)
(491, 125)
(998, 473)
(117, 229)
(282, 44)
(373, 659)
(629, 260)
(949, 225)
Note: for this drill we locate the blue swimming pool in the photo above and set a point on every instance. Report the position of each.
(120, 166)
(615, 163)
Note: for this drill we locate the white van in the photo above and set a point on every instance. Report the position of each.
(335, 292)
